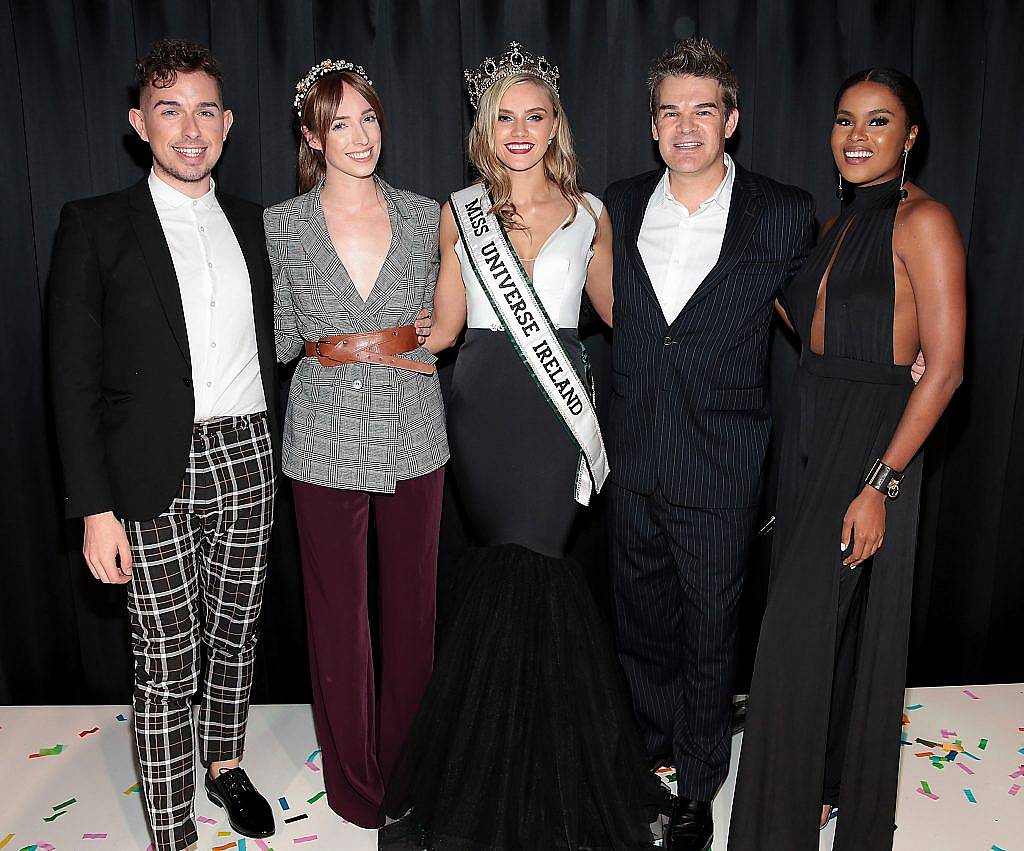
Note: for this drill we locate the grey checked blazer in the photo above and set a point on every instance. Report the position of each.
(355, 426)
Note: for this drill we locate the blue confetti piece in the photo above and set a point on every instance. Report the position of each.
(121, 718)
(283, 802)
(915, 706)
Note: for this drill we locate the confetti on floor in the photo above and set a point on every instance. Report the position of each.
(85, 733)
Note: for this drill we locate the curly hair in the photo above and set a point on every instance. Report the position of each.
(695, 57)
(169, 57)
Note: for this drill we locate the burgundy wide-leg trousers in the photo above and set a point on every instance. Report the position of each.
(360, 731)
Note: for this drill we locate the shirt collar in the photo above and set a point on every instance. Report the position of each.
(722, 196)
(166, 196)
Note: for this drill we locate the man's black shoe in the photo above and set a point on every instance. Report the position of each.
(248, 811)
(690, 828)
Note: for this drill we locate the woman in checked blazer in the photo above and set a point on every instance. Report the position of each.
(354, 260)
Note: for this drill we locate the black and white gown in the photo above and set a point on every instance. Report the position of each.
(827, 692)
(525, 738)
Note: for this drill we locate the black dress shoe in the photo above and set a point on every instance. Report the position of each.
(690, 828)
(248, 811)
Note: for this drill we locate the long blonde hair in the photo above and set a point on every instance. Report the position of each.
(560, 164)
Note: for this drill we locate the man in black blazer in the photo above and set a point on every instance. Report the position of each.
(162, 357)
(702, 250)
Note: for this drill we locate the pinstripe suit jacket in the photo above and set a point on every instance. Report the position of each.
(689, 409)
(355, 426)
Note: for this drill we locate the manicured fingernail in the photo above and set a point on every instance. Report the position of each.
(842, 546)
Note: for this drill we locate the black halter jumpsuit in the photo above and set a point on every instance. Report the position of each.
(827, 694)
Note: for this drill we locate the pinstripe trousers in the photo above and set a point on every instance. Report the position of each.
(196, 591)
(677, 574)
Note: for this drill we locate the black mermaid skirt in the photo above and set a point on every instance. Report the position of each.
(525, 738)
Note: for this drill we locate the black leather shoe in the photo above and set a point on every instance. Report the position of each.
(690, 828)
(739, 713)
(248, 811)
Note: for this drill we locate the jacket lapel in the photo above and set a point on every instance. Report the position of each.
(744, 212)
(316, 243)
(153, 243)
(393, 271)
(251, 241)
(642, 191)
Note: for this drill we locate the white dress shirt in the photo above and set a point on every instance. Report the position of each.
(678, 247)
(217, 299)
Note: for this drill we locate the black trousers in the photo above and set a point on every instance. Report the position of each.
(677, 573)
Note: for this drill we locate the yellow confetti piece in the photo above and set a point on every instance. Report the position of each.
(6, 839)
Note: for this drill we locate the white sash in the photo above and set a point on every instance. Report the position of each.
(511, 294)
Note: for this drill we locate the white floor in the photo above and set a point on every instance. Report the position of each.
(96, 772)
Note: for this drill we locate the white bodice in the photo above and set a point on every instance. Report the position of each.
(559, 273)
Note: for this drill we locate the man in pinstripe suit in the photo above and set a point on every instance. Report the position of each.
(702, 249)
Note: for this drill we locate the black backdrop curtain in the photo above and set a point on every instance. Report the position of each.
(65, 72)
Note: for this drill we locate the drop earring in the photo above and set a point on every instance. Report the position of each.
(903, 176)
(839, 191)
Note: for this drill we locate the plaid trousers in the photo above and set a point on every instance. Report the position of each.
(197, 582)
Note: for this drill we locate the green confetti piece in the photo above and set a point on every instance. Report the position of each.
(65, 805)
(315, 798)
(926, 787)
(982, 744)
(55, 816)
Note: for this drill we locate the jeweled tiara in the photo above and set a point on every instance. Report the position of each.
(328, 66)
(515, 60)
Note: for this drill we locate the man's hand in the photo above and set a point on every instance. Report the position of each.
(917, 368)
(106, 549)
(423, 325)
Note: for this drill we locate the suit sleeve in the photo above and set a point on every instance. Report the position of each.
(75, 330)
(287, 339)
(805, 241)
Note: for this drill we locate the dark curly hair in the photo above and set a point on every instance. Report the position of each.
(170, 56)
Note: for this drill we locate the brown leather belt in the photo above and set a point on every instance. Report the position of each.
(371, 347)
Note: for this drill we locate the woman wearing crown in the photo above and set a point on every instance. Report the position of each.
(354, 261)
(525, 737)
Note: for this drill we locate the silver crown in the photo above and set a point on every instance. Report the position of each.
(328, 66)
(515, 60)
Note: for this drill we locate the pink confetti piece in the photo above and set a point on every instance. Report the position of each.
(94, 836)
(971, 694)
(45, 846)
(311, 838)
(948, 734)
(206, 820)
(312, 766)
(1018, 773)
(1014, 789)
(965, 767)
(927, 794)
(262, 845)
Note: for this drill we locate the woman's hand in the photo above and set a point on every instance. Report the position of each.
(863, 526)
(423, 324)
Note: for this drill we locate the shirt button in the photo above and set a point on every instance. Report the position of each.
(210, 264)
(357, 385)
(209, 384)
(195, 203)
(213, 344)
(202, 229)
(213, 304)
(669, 341)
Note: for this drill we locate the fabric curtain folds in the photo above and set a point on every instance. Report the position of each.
(65, 76)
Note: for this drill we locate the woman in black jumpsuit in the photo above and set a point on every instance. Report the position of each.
(825, 705)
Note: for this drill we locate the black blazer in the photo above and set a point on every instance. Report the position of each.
(689, 409)
(119, 356)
